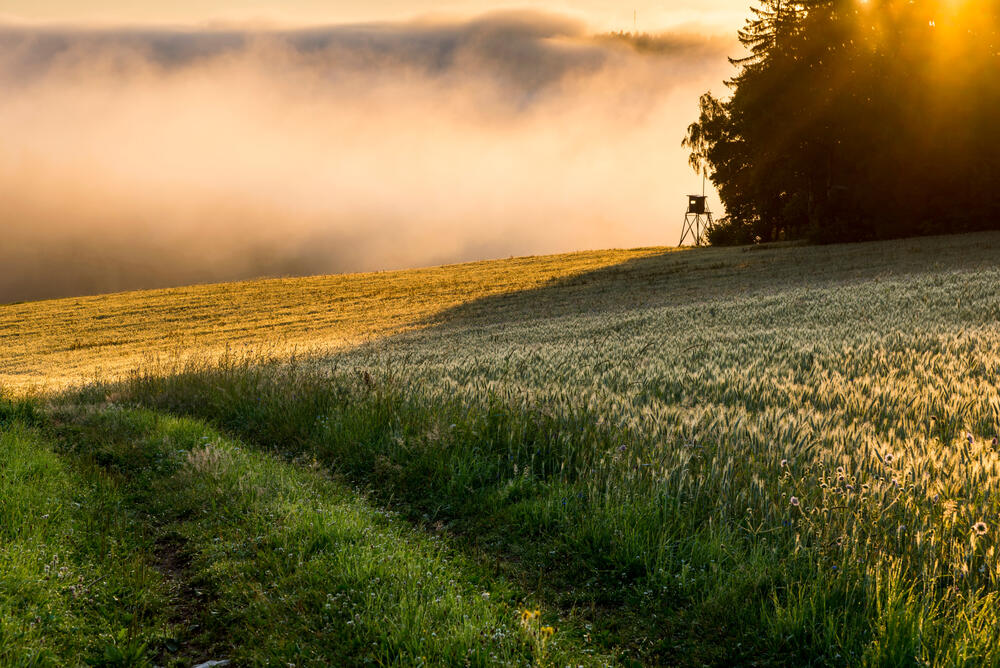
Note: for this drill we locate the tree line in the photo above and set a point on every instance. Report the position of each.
(857, 119)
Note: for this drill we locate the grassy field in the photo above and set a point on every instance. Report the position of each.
(57, 343)
(769, 456)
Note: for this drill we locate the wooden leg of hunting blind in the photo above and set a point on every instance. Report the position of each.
(697, 225)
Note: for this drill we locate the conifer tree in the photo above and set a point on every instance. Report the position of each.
(857, 119)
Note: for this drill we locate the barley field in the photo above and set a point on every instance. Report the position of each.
(58, 343)
(767, 456)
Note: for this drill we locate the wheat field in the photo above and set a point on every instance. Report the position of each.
(60, 342)
(775, 455)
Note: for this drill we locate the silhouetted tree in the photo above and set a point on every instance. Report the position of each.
(855, 119)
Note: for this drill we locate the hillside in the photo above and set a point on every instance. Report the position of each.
(54, 343)
(776, 455)
(58, 342)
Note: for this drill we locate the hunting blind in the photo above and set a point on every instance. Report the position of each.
(697, 220)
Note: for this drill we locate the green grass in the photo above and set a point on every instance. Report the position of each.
(73, 584)
(641, 541)
(740, 457)
(227, 553)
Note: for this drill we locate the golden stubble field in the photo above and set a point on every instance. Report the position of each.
(52, 344)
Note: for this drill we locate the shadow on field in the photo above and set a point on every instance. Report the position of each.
(685, 277)
(457, 469)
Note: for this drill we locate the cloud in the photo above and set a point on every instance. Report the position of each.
(144, 158)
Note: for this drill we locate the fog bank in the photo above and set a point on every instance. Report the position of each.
(141, 158)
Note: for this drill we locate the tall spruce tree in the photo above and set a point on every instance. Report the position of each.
(855, 119)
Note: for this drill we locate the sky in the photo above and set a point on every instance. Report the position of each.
(190, 143)
(649, 15)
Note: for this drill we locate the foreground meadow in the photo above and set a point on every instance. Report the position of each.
(768, 456)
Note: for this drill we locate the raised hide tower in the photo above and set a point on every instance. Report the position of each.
(697, 221)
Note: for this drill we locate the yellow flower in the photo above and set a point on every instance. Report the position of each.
(548, 630)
